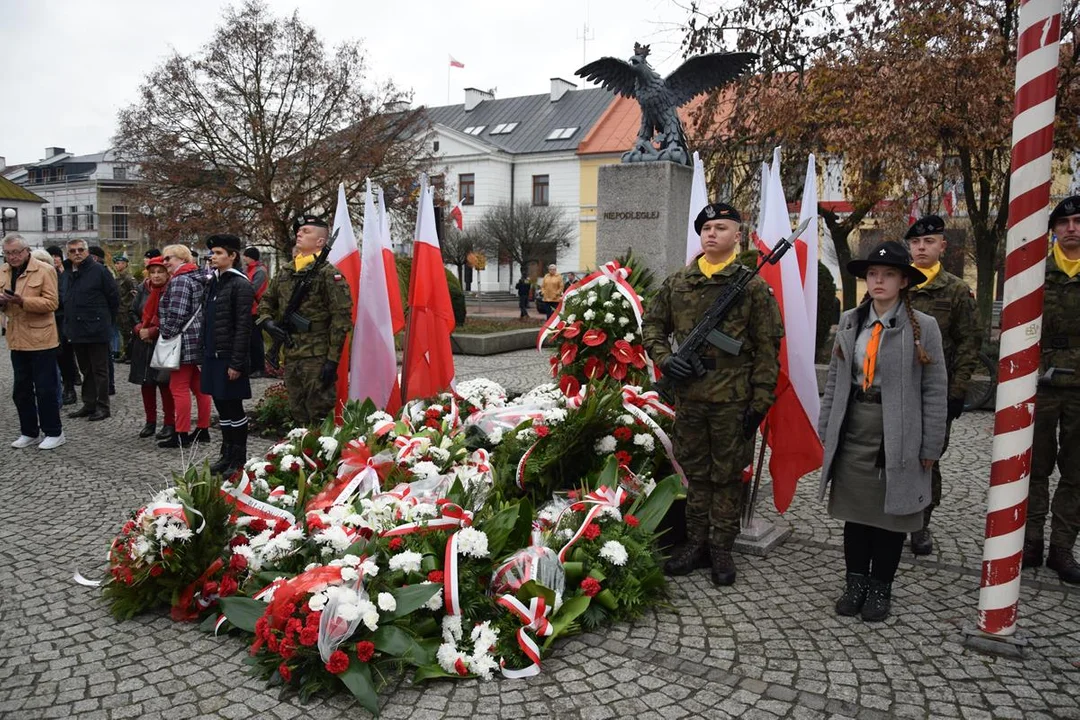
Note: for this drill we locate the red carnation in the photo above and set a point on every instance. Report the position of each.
(314, 522)
(590, 586)
(314, 618)
(594, 337)
(156, 570)
(573, 330)
(128, 527)
(623, 457)
(238, 562)
(167, 552)
(436, 576)
(433, 412)
(281, 526)
(567, 353)
(269, 468)
(432, 423)
(396, 543)
(228, 586)
(631, 520)
(262, 626)
(617, 370)
(338, 663)
(569, 385)
(209, 588)
(541, 430)
(622, 434)
(272, 642)
(594, 368)
(592, 531)
(364, 650)
(238, 540)
(257, 525)
(284, 672)
(310, 634)
(127, 578)
(287, 648)
(622, 351)
(572, 494)
(294, 626)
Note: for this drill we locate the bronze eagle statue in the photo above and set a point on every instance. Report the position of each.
(660, 98)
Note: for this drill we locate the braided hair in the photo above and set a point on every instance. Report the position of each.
(920, 352)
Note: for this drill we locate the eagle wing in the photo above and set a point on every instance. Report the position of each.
(704, 73)
(612, 74)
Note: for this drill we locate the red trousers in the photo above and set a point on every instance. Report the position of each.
(149, 403)
(183, 382)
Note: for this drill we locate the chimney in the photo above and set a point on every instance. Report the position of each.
(474, 97)
(560, 87)
(3, 163)
(52, 151)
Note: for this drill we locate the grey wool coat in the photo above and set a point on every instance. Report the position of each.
(913, 398)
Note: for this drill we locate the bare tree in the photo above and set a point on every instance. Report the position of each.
(458, 245)
(260, 124)
(525, 232)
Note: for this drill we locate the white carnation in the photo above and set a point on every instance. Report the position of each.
(387, 602)
(435, 603)
(554, 416)
(603, 280)
(407, 561)
(588, 315)
(495, 436)
(571, 318)
(348, 612)
(329, 445)
(614, 552)
(297, 433)
(605, 445)
(472, 542)
(608, 303)
(371, 620)
(645, 440)
(317, 602)
(426, 470)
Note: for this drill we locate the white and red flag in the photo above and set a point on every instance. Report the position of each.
(699, 198)
(345, 256)
(791, 423)
(455, 63)
(457, 216)
(428, 366)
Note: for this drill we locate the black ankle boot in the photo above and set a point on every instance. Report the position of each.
(176, 440)
(166, 432)
(723, 566)
(1061, 559)
(221, 465)
(921, 542)
(851, 602)
(147, 430)
(878, 601)
(1033, 553)
(688, 557)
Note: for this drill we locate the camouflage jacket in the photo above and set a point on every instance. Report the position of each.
(1061, 326)
(748, 378)
(948, 300)
(127, 287)
(328, 305)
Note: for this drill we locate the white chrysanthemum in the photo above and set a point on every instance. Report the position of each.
(426, 470)
(614, 552)
(608, 511)
(588, 315)
(626, 419)
(435, 603)
(387, 602)
(290, 463)
(439, 454)
(142, 547)
(483, 665)
(566, 533)
(472, 542)
(484, 636)
(609, 318)
(334, 537)
(591, 298)
(526, 434)
(447, 655)
(606, 444)
(407, 561)
(624, 321)
(625, 303)
(645, 440)
(329, 446)
(495, 436)
(554, 416)
(421, 511)
(451, 628)
(297, 433)
(571, 318)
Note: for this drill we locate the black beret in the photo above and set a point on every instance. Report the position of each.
(224, 240)
(1065, 208)
(716, 211)
(252, 253)
(152, 253)
(97, 252)
(303, 220)
(55, 251)
(927, 225)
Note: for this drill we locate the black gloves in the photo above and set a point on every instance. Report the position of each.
(676, 368)
(274, 331)
(751, 421)
(328, 374)
(956, 408)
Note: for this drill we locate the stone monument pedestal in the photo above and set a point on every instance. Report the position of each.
(760, 537)
(643, 207)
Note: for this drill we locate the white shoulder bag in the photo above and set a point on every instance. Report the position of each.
(167, 351)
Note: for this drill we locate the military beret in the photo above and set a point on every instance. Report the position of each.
(55, 251)
(152, 253)
(716, 211)
(303, 220)
(97, 251)
(252, 252)
(1065, 208)
(224, 240)
(119, 258)
(927, 225)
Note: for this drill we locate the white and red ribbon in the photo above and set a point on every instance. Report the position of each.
(175, 510)
(610, 271)
(247, 505)
(602, 497)
(635, 402)
(451, 516)
(450, 577)
(534, 618)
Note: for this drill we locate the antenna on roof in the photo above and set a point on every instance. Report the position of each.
(586, 35)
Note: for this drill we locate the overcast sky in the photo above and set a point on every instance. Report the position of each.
(70, 65)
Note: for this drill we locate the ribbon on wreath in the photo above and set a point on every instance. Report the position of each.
(183, 609)
(283, 593)
(601, 498)
(450, 577)
(358, 473)
(609, 272)
(635, 402)
(451, 516)
(534, 618)
(175, 510)
(245, 504)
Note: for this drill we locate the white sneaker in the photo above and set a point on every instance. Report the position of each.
(23, 441)
(52, 442)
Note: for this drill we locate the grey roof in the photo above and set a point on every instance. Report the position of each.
(537, 116)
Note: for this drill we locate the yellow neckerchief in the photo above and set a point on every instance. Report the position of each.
(1067, 266)
(708, 269)
(930, 273)
(302, 261)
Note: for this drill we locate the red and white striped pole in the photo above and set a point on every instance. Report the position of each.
(1039, 32)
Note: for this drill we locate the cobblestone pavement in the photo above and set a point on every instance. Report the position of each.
(769, 647)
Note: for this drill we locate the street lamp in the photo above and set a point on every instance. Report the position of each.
(9, 213)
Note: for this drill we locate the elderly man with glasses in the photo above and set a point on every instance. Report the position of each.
(28, 297)
(91, 301)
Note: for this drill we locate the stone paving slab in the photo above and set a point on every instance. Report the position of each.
(769, 647)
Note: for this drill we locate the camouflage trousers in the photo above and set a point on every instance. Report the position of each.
(709, 445)
(935, 480)
(1057, 441)
(309, 401)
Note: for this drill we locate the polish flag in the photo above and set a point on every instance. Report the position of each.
(393, 286)
(428, 367)
(807, 247)
(699, 198)
(373, 366)
(455, 63)
(345, 256)
(456, 216)
(790, 428)
(948, 198)
(913, 212)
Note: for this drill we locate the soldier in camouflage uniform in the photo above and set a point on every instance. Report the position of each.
(717, 415)
(312, 359)
(127, 287)
(1057, 404)
(949, 300)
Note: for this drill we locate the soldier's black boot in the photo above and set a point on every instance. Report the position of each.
(690, 556)
(1061, 560)
(878, 601)
(1033, 553)
(723, 566)
(851, 602)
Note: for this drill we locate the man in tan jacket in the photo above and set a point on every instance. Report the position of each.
(28, 297)
(551, 290)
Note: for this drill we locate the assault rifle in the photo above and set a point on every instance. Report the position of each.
(707, 330)
(292, 321)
